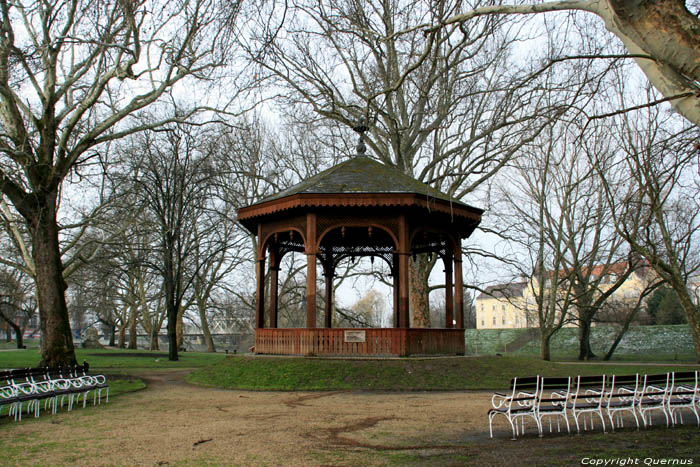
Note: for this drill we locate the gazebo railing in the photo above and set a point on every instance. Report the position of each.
(359, 342)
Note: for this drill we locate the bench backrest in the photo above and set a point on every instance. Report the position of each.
(684, 385)
(686, 378)
(624, 389)
(75, 371)
(589, 390)
(525, 383)
(654, 386)
(554, 390)
(525, 392)
(590, 381)
(658, 379)
(20, 375)
(555, 382)
(38, 374)
(624, 380)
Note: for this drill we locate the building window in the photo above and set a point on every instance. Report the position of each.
(503, 318)
(503, 308)
(483, 323)
(494, 320)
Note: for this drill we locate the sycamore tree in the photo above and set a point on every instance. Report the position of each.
(651, 184)
(662, 36)
(73, 73)
(174, 181)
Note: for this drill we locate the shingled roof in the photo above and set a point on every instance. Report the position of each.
(503, 291)
(360, 175)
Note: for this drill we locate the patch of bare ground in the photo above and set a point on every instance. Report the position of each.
(174, 423)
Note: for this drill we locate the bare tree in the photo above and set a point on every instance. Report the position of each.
(596, 258)
(652, 189)
(535, 199)
(213, 267)
(173, 177)
(71, 76)
(660, 35)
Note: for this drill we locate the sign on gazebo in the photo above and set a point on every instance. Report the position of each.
(355, 336)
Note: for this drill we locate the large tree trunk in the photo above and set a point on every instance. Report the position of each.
(585, 351)
(172, 310)
(56, 337)
(180, 329)
(545, 352)
(153, 343)
(667, 31)
(585, 318)
(205, 327)
(172, 332)
(154, 333)
(419, 305)
(19, 332)
(122, 336)
(148, 321)
(132, 330)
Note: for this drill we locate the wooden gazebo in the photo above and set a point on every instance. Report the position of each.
(359, 207)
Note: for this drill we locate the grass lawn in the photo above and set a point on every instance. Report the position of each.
(122, 367)
(109, 359)
(412, 374)
(320, 374)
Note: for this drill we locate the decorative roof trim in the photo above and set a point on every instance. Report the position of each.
(299, 200)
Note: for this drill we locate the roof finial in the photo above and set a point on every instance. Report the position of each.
(361, 148)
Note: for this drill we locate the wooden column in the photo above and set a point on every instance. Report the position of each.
(311, 270)
(260, 288)
(274, 285)
(459, 287)
(395, 274)
(449, 306)
(328, 308)
(403, 272)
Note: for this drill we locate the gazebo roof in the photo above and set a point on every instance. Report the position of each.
(358, 181)
(360, 175)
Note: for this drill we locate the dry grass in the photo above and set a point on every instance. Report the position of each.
(173, 423)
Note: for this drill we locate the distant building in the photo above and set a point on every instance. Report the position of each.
(513, 305)
(502, 306)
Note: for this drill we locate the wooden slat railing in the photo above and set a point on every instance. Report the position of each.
(377, 342)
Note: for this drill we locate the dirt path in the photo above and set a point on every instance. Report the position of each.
(174, 423)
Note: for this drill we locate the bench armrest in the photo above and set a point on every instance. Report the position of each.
(498, 400)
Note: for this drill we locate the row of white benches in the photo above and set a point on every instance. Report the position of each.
(53, 386)
(540, 398)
